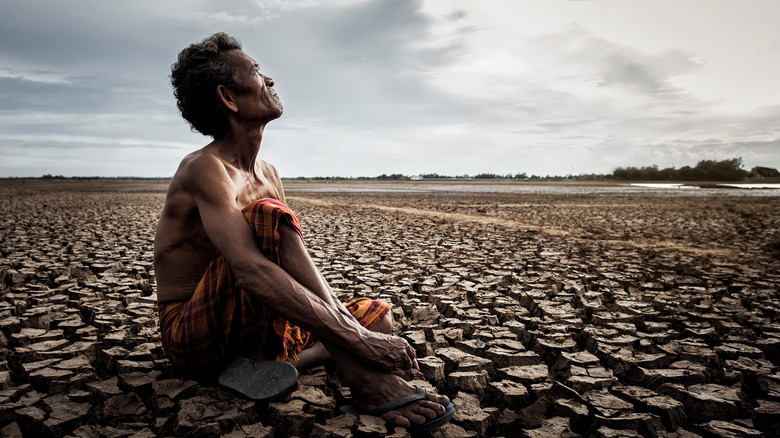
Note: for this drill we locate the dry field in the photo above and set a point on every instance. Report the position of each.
(539, 313)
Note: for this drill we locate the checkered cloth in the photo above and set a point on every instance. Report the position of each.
(220, 321)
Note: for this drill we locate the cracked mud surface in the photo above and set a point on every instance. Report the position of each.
(539, 314)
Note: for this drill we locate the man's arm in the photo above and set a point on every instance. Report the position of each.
(273, 177)
(215, 196)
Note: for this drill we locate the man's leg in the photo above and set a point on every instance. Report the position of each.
(215, 325)
(221, 321)
(317, 354)
(370, 386)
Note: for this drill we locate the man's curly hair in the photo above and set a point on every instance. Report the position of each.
(201, 67)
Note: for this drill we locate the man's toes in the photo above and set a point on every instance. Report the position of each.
(407, 418)
(431, 407)
(429, 412)
(417, 418)
(439, 399)
(397, 419)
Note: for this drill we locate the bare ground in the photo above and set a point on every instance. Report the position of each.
(540, 315)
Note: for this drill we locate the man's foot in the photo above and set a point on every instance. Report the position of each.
(376, 389)
(421, 394)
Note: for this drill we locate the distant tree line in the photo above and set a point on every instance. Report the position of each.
(764, 172)
(705, 170)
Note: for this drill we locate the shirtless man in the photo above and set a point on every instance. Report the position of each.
(212, 264)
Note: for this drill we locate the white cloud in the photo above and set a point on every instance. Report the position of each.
(408, 86)
(81, 140)
(47, 77)
(225, 18)
(257, 12)
(276, 6)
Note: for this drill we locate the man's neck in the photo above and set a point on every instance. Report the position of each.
(241, 147)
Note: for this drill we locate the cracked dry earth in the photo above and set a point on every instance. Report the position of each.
(541, 315)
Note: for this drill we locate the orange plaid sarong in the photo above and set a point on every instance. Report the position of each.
(221, 321)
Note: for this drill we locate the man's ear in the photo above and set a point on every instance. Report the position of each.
(227, 98)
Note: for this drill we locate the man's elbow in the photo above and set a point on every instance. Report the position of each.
(251, 277)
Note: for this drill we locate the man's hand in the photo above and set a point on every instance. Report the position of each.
(390, 353)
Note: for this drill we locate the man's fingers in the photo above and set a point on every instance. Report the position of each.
(411, 361)
(402, 358)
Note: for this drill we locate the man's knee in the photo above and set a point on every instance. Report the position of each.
(290, 242)
(287, 231)
(266, 215)
(258, 204)
(384, 325)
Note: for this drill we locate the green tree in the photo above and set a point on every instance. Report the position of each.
(764, 172)
(725, 170)
(668, 174)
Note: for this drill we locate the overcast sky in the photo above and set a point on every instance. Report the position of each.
(401, 86)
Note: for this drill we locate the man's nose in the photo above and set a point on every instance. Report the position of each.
(269, 82)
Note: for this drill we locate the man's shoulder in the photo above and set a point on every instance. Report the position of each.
(198, 172)
(198, 167)
(201, 160)
(272, 175)
(268, 168)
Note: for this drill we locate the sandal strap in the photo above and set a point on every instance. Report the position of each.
(402, 401)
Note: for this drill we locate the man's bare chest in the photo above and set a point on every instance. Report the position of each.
(252, 188)
(253, 193)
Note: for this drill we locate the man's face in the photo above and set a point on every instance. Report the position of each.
(258, 100)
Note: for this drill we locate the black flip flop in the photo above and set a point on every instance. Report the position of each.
(263, 381)
(403, 401)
